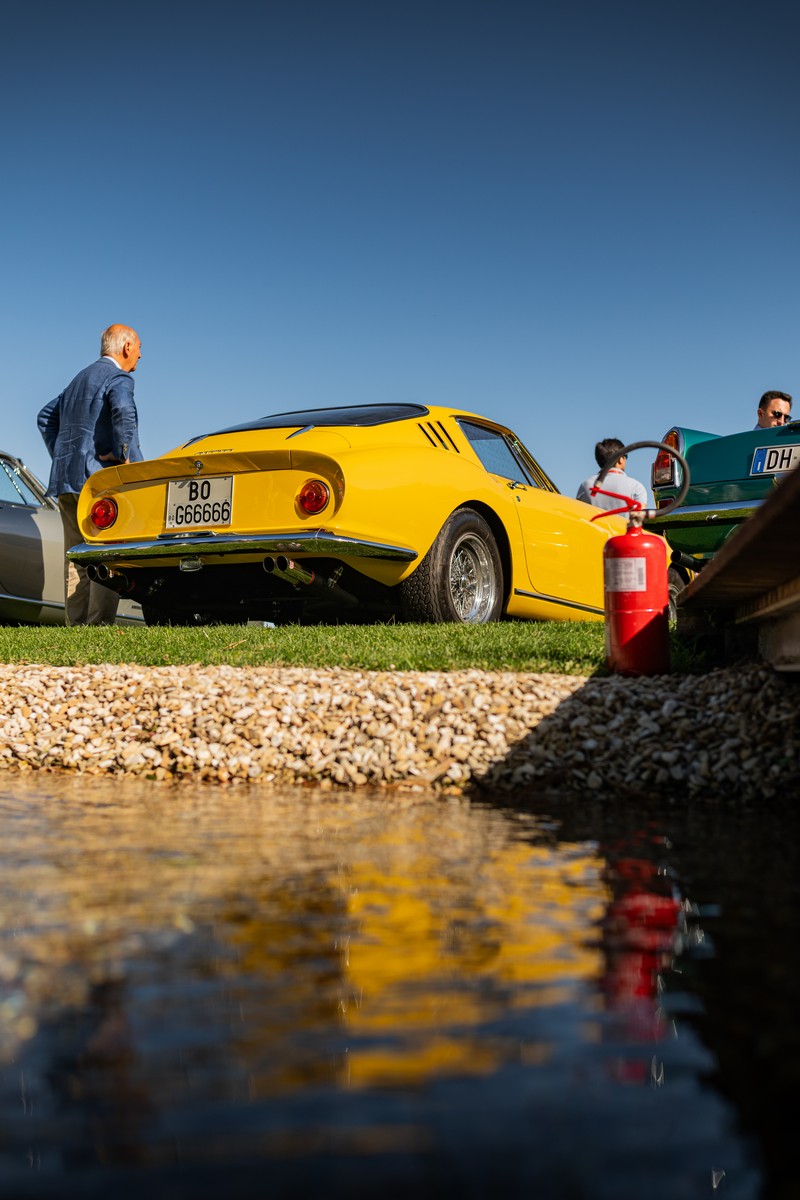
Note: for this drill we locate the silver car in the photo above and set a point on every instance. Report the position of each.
(32, 552)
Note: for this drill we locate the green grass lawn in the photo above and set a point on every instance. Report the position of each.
(555, 647)
(550, 646)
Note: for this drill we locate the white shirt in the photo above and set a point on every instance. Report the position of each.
(615, 481)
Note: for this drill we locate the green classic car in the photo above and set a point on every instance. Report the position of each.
(729, 477)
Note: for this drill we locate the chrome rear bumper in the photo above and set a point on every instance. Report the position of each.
(201, 545)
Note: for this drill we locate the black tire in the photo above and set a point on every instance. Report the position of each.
(460, 579)
(675, 584)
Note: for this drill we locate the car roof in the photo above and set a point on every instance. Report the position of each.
(354, 414)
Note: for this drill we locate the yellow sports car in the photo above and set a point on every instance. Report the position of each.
(362, 513)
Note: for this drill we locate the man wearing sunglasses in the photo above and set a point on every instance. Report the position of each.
(774, 408)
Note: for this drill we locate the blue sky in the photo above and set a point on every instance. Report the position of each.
(579, 218)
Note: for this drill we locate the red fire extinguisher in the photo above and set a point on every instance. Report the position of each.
(635, 582)
(636, 602)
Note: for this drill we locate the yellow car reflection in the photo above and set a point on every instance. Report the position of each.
(430, 961)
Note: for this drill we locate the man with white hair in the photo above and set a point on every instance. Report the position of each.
(92, 424)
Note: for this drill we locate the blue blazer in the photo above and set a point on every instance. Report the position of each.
(94, 415)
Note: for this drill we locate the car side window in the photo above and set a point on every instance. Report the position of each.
(13, 489)
(494, 451)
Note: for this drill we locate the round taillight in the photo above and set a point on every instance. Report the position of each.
(313, 496)
(103, 513)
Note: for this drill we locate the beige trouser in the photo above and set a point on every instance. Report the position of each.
(85, 602)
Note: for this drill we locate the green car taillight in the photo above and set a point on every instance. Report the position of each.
(664, 466)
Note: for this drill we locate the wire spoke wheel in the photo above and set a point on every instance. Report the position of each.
(473, 583)
(460, 578)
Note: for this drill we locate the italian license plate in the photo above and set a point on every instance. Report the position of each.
(772, 460)
(199, 503)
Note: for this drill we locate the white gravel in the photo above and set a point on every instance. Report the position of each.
(729, 733)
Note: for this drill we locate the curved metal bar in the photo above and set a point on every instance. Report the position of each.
(170, 546)
(727, 510)
(653, 514)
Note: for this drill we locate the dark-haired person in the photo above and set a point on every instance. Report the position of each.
(92, 424)
(615, 481)
(774, 408)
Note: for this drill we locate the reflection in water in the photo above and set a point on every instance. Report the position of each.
(203, 988)
(641, 936)
(449, 929)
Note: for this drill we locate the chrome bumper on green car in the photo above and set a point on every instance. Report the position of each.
(730, 510)
(702, 529)
(199, 544)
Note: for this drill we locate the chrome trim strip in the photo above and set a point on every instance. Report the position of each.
(32, 603)
(556, 600)
(729, 510)
(175, 545)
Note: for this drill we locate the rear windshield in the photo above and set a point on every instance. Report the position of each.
(357, 414)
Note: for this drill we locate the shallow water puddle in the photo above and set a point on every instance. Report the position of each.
(354, 991)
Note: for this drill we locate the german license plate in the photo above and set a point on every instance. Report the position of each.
(773, 460)
(199, 503)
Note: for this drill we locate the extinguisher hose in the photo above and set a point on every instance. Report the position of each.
(652, 513)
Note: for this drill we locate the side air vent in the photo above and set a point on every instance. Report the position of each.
(438, 436)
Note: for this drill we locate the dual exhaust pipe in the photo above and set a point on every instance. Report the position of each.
(118, 581)
(281, 567)
(299, 576)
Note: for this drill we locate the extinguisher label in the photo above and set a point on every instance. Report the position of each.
(626, 575)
